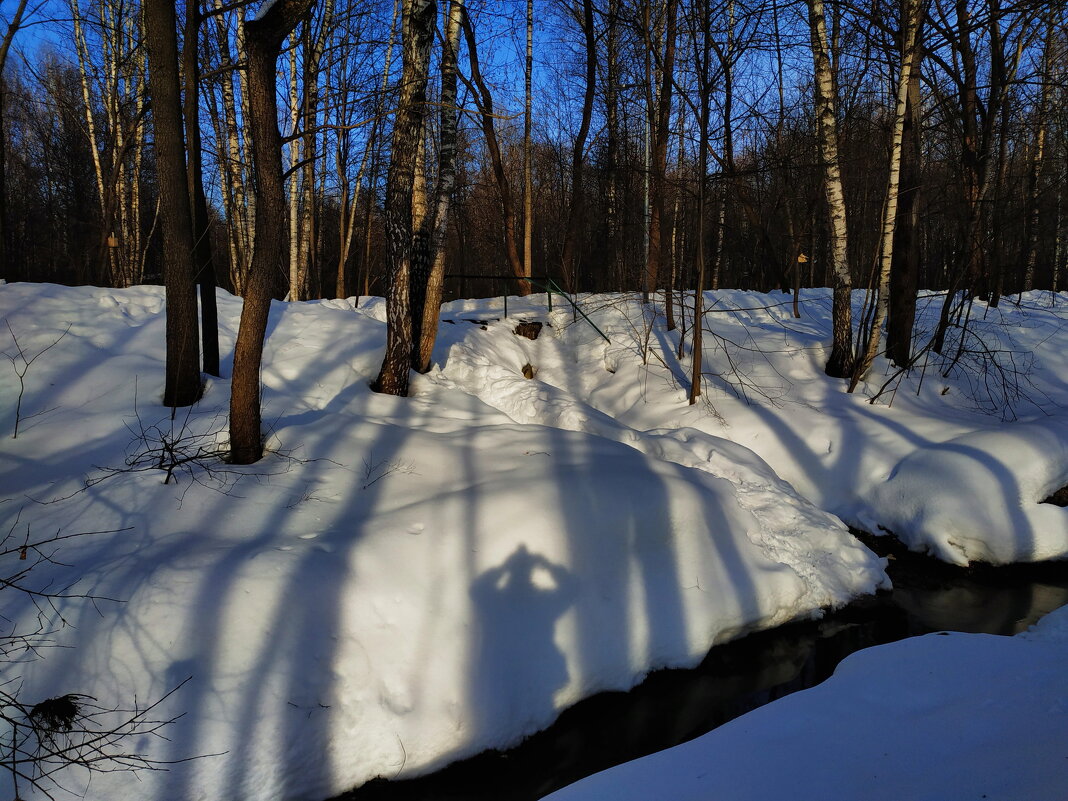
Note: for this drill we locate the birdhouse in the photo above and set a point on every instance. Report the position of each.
(113, 241)
(802, 259)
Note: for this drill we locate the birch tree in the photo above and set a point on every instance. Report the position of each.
(910, 24)
(905, 262)
(840, 363)
(1039, 149)
(428, 323)
(418, 23)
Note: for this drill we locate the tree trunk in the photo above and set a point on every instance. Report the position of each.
(204, 266)
(5, 45)
(528, 173)
(484, 101)
(657, 251)
(183, 384)
(840, 363)
(905, 269)
(575, 215)
(263, 39)
(232, 166)
(910, 17)
(418, 31)
(428, 324)
(1037, 158)
(705, 91)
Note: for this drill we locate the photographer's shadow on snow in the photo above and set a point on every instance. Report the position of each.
(518, 666)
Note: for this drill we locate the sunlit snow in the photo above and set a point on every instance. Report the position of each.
(403, 582)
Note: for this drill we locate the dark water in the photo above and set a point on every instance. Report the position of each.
(673, 706)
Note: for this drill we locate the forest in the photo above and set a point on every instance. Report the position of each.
(610, 144)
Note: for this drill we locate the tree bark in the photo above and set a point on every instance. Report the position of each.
(484, 101)
(428, 323)
(263, 39)
(575, 215)
(840, 363)
(705, 100)
(528, 172)
(5, 45)
(1037, 159)
(204, 264)
(183, 384)
(910, 17)
(418, 31)
(905, 269)
(665, 69)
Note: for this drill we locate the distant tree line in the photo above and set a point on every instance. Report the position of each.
(339, 148)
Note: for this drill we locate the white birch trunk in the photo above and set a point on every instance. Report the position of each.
(295, 273)
(840, 362)
(910, 24)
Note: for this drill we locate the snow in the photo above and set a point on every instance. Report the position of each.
(954, 464)
(404, 582)
(944, 716)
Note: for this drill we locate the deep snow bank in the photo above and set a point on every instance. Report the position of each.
(953, 457)
(976, 497)
(944, 716)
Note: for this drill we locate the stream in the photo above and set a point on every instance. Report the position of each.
(673, 706)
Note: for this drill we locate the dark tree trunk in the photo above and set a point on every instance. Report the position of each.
(183, 386)
(204, 264)
(658, 253)
(484, 102)
(575, 217)
(270, 254)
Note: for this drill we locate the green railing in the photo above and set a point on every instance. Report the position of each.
(547, 285)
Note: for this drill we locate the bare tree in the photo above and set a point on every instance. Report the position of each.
(905, 267)
(703, 53)
(840, 363)
(263, 37)
(229, 127)
(910, 23)
(183, 385)
(5, 47)
(418, 25)
(114, 63)
(484, 101)
(576, 211)
(204, 266)
(428, 323)
(1039, 151)
(659, 110)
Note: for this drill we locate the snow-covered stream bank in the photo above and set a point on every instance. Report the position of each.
(672, 707)
(405, 582)
(944, 717)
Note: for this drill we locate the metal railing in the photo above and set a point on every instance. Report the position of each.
(546, 284)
